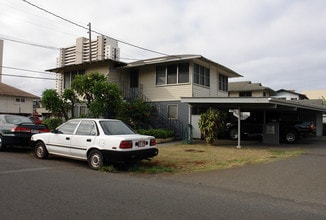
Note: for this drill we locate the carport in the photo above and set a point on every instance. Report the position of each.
(305, 110)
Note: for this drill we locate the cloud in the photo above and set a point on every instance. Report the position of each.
(280, 44)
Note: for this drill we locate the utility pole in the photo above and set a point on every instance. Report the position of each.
(1, 57)
(90, 41)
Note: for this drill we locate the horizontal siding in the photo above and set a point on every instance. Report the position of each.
(147, 81)
(200, 91)
(115, 77)
(213, 90)
(161, 93)
(234, 94)
(223, 94)
(8, 104)
(104, 70)
(257, 94)
(213, 82)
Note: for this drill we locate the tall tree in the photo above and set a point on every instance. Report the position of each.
(52, 101)
(70, 98)
(101, 96)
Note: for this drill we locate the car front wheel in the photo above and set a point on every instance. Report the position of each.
(291, 137)
(233, 134)
(95, 159)
(40, 150)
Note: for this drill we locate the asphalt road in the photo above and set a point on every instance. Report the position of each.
(65, 189)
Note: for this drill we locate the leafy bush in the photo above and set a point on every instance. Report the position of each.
(52, 123)
(136, 113)
(157, 133)
(210, 123)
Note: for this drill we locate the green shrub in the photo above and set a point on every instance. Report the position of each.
(52, 123)
(137, 113)
(157, 133)
(210, 124)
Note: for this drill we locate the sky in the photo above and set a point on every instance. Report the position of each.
(279, 43)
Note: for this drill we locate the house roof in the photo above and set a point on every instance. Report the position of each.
(301, 96)
(85, 65)
(247, 86)
(6, 90)
(174, 58)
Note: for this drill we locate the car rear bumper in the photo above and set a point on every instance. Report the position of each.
(117, 156)
(17, 139)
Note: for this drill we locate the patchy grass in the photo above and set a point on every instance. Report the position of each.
(180, 158)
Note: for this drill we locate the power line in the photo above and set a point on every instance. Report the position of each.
(29, 43)
(48, 47)
(33, 71)
(96, 32)
(38, 17)
(30, 77)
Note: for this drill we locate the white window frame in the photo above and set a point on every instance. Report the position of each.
(170, 114)
(168, 76)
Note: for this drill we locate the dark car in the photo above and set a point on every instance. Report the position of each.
(17, 130)
(252, 127)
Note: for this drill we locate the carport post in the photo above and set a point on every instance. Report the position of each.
(239, 128)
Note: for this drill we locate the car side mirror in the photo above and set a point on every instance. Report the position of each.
(55, 131)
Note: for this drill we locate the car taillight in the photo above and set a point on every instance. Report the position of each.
(20, 129)
(125, 144)
(152, 142)
(312, 127)
(44, 130)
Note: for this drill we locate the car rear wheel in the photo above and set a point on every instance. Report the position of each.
(95, 159)
(40, 150)
(233, 134)
(291, 137)
(2, 143)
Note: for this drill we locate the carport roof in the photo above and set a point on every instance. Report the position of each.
(251, 103)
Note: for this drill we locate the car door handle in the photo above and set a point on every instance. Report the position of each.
(67, 138)
(89, 140)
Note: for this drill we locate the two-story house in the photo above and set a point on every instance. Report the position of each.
(179, 86)
(164, 80)
(161, 81)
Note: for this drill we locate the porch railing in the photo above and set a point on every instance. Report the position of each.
(161, 120)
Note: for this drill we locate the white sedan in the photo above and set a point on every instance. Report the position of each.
(95, 140)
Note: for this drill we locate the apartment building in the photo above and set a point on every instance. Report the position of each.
(84, 52)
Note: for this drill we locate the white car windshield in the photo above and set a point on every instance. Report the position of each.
(115, 128)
